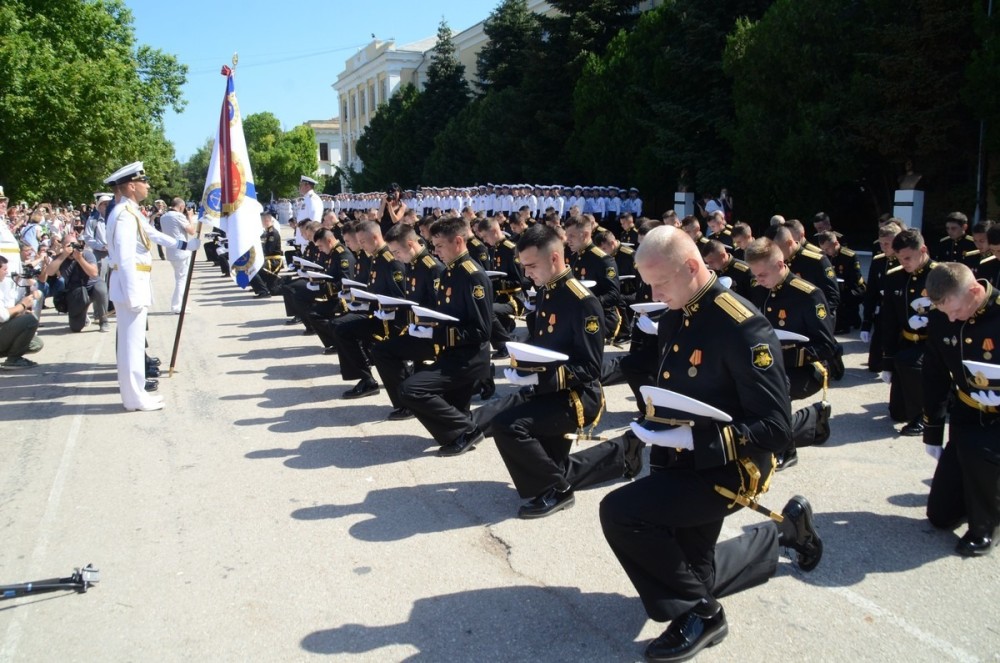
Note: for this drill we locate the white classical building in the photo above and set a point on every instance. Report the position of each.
(378, 70)
(328, 143)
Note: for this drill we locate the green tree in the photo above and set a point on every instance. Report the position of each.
(79, 97)
(278, 158)
(390, 147)
(196, 168)
(513, 31)
(444, 96)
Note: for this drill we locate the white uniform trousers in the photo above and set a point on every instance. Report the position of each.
(132, 357)
(180, 280)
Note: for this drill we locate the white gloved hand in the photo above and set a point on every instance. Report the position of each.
(520, 380)
(189, 245)
(345, 297)
(357, 306)
(726, 281)
(528, 305)
(647, 326)
(385, 315)
(886, 377)
(917, 321)
(934, 451)
(417, 331)
(866, 337)
(920, 303)
(988, 398)
(312, 286)
(673, 438)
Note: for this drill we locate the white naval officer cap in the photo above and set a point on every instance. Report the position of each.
(524, 354)
(983, 375)
(134, 172)
(307, 180)
(105, 198)
(666, 409)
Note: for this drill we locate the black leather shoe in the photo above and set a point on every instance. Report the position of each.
(686, 636)
(262, 294)
(400, 414)
(546, 504)
(293, 321)
(330, 350)
(152, 385)
(502, 353)
(633, 455)
(362, 389)
(805, 541)
(975, 545)
(487, 389)
(787, 459)
(913, 429)
(152, 371)
(152, 361)
(823, 412)
(465, 442)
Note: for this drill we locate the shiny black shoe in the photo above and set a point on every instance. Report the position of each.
(362, 389)
(152, 371)
(787, 459)
(546, 504)
(823, 412)
(805, 540)
(486, 389)
(263, 294)
(400, 414)
(152, 385)
(152, 361)
(633, 455)
(502, 353)
(913, 429)
(293, 320)
(687, 635)
(330, 350)
(974, 544)
(465, 442)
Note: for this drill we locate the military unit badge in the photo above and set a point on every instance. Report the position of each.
(592, 324)
(478, 292)
(761, 356)
(821, 311)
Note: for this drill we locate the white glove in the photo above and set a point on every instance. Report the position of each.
(917, 321)
(726, 281)
(886, 377)
(385, 315)
(989, 398)
(345, 297)
(189, 245)
(866, 337)
(528, 305)
(920, 303)
(647, 326)
(519, 380)
(674, 438)
(357, 306)
(416, 331)
(312, 286)
(933, 451)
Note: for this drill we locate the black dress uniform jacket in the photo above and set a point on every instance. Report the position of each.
(816, 268)
(953, 250)
(421, 279)
(742, 278)
(595, 265)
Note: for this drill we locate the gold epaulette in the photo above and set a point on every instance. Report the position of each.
(894, 269)
(470, 266)
(627, 250)
(970, 254)
(801, 284)
(847, 252)
(577, 288)
(880, 256)
(733, 308)
(509, 244)
(388, 257)
(944, 239)
(969, 238)
(339, 248)
(809, 246)
(987, 259)
(428, 262)
(741, 266)
(812, 254)
(598, 252)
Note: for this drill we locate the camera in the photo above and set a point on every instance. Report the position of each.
(29, 271)
(79, 246)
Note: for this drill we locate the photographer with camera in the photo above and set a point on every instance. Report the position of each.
(77, 267)
(17, 324)
(179, 222)
(392, 209)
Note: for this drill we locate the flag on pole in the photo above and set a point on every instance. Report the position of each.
(230, 198)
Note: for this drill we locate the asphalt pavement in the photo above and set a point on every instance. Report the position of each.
(260, 517)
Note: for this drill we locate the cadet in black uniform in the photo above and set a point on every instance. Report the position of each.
(956, 243)
(807, 264)
(989, 266)
(720, 261)
(338, 263)
(719, 230)
(266, 279)
(794, 305)
(847, 268)
(904, 321)
(530, 426)
(590, 263)
(882, 262)
(294, 289)
(508, 291)
(664, 527)
(966, 485)
(391, 356)
(624, 257)
(629, 233)
(439, 395)
(353, 333)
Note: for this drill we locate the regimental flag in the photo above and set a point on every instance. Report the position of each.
(230, 198)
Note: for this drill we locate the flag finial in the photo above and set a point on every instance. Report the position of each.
(236, 59)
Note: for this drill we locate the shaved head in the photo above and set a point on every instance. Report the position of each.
(669, 261)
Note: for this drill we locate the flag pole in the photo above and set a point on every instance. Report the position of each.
(190, 275)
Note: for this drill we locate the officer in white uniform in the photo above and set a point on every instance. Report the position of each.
(310, 209)
(130, 237)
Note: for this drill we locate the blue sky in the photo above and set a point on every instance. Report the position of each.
(289, 57)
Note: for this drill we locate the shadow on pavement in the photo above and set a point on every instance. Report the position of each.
(350, 452)
(404, 511)
(308, 419)
(510, 623)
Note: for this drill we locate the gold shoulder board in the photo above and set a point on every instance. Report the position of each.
(880, 256)
(804, 286)
(470, 266)
(733, 308)
(578, 289)
(848, 252)
(597, 252)
(812, 254)
(509, 244)
(627, 250)
(428, 261)
(388, 256)
(895, 269)
(741, 266)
